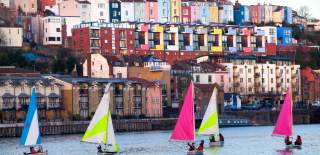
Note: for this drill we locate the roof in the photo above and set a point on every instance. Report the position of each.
(132, 59)
(210, 67)
(206, 87)
(16, 80)
(53, 95)
(12, 70)
(144, 81)
(7, 95)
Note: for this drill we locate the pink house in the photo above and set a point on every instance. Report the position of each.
(153, 100)
(245, 34)
(142, 42)
(152, 10)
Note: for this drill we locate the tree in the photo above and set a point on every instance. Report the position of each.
(304, 11)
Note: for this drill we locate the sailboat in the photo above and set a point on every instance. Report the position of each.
(210, 123)
(31, 130)
(284, 122)
(184, 129)
(100, 129)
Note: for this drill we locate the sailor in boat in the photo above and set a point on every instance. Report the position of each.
(32, 150)
(287, 141)
(298, 141)
(191, 147)
(201, 146)
(212, 139)
(221, 137)
(99, 149)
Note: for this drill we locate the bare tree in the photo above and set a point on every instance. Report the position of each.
(304, 11)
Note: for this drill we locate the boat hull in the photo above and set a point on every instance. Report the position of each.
(40, 153)
(216, 144)
(293, 146)
(195, 153)
(106, 153)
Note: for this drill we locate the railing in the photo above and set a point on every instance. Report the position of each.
(8, 106)
(155, 68)
(54, 105)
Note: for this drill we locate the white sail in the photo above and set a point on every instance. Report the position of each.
(210, 123)
(112, 146)
(97, 129)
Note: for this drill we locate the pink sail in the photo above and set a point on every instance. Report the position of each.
(284, 123)
(185, 126)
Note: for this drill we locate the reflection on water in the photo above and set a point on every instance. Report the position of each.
(239, 141)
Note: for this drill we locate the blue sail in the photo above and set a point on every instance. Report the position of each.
(31, 130)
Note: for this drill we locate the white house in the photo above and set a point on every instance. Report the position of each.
(99, 10)
(270, 33)
(52, 27)
(5, 3)
(11, 36)
(127, 11)
(96, 66)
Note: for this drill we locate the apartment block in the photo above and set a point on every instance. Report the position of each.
(11, 37)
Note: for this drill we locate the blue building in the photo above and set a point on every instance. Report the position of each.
(114, 11)
(287, 15)
(241, 15)
(284, 36)
(204, 13)
(163, 11)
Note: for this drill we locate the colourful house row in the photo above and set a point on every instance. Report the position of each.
(126, 38)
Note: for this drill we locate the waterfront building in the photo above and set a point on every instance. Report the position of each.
(171, 38)
(215, 39)
(185, 38)
(52, 32)
(244, 40)
(151, 11)
(15, 95)
(175, 11)
(152, 71)
(129, 98)
(284, 36)
(11, 36)
(127, 10)
(164, 9)
(156, 37)
(141, 38)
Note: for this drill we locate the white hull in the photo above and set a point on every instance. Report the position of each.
(195, 153)
(216, 144)
(40, 153)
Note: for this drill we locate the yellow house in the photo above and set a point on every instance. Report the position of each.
(158, 38)
(215, 39)
(278, 14)
(213, 13)
(175, 10)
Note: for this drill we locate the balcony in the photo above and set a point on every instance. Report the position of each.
(94, 45)
(122, 37)
(94, 36)
(257, 75)
(8, 106)
(42, 106)
(236, 84)
(155, 68)
(279, 85)
(236, 74)
(257, 84)
(182, 47)
(54, 105)
(294, 76)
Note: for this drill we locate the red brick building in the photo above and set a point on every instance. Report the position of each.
(185, 11)
(44, 3)
(117, 39)
(310, 85)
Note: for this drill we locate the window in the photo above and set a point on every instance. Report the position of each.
(114, 5)
(58, 29)
(114, 13)
(52, 38)
(271, 80)
(209, 78)
(126, 13)
(249, 70)
(185, 12)
(221, 78)
(271, 71)
(151, 12)
(197, 78)
(58, 38)
(101, 13)
(101, 5)
(249, 80)
(241, 79)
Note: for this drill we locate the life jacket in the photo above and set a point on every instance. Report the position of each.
(200, 148)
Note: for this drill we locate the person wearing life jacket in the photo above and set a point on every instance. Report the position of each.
(201, 146)
(191, 147)
(221, 137)
(298, 140)
(32, 150)
(287, 141)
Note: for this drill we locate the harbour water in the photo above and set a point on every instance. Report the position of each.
(238, 141)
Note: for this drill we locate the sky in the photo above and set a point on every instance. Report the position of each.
(314, 5)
